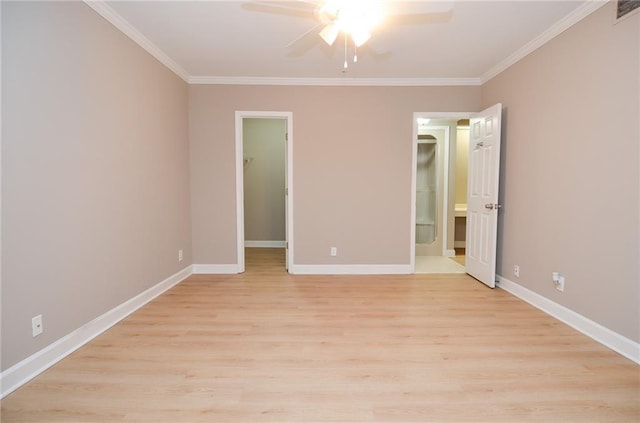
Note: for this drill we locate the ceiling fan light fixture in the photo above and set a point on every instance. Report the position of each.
(355, 18)
(329, 33)
(360, 36)
(328, 12)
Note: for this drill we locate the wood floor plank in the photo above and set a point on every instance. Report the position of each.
(266, 346)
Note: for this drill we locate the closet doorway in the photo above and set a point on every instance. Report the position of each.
(263, 175)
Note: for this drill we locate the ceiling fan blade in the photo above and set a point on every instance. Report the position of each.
(369, 50)
(315, 3)
(329, 33)
(305, 34)
(307, 10)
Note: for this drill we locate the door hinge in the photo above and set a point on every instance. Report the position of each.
(286, 191)
(286, 136)
(286, 244)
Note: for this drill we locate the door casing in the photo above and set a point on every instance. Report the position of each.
(239, 116)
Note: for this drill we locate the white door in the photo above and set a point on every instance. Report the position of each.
(482, 194)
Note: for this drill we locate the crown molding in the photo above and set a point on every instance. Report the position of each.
(125, 27)
(383, 82)
(562, 25)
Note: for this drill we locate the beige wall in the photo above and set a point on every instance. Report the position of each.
(95, 182)
(570, 181)
(351, 166)
(264, 179)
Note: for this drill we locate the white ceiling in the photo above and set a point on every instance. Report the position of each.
(218, 41)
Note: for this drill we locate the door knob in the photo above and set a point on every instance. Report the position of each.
(489, 206)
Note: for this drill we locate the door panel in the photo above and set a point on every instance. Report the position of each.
(482, 197)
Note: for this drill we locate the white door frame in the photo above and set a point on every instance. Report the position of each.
(414, 164)
(240, 115)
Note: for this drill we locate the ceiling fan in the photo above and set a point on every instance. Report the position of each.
(355, 19)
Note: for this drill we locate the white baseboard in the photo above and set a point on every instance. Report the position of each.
(606, 337)
(216, 269)
(264, 244)
(459, 244)
(22, 372)
(450, 253)
(350, 269)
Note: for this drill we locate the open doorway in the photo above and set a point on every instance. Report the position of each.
(460, 196)
(263, 175)
(439, 182)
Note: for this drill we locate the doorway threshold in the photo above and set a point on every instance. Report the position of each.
(437, 264)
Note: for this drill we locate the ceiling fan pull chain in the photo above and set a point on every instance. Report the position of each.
(346, 64)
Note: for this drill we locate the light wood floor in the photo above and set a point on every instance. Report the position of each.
(269, 347)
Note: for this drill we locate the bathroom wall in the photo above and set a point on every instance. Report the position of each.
(462, 162)
(461, 166)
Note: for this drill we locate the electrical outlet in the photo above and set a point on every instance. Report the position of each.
(560, 283)
(516, 271)
(36, 325)
(179, 255)
(334, 251)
